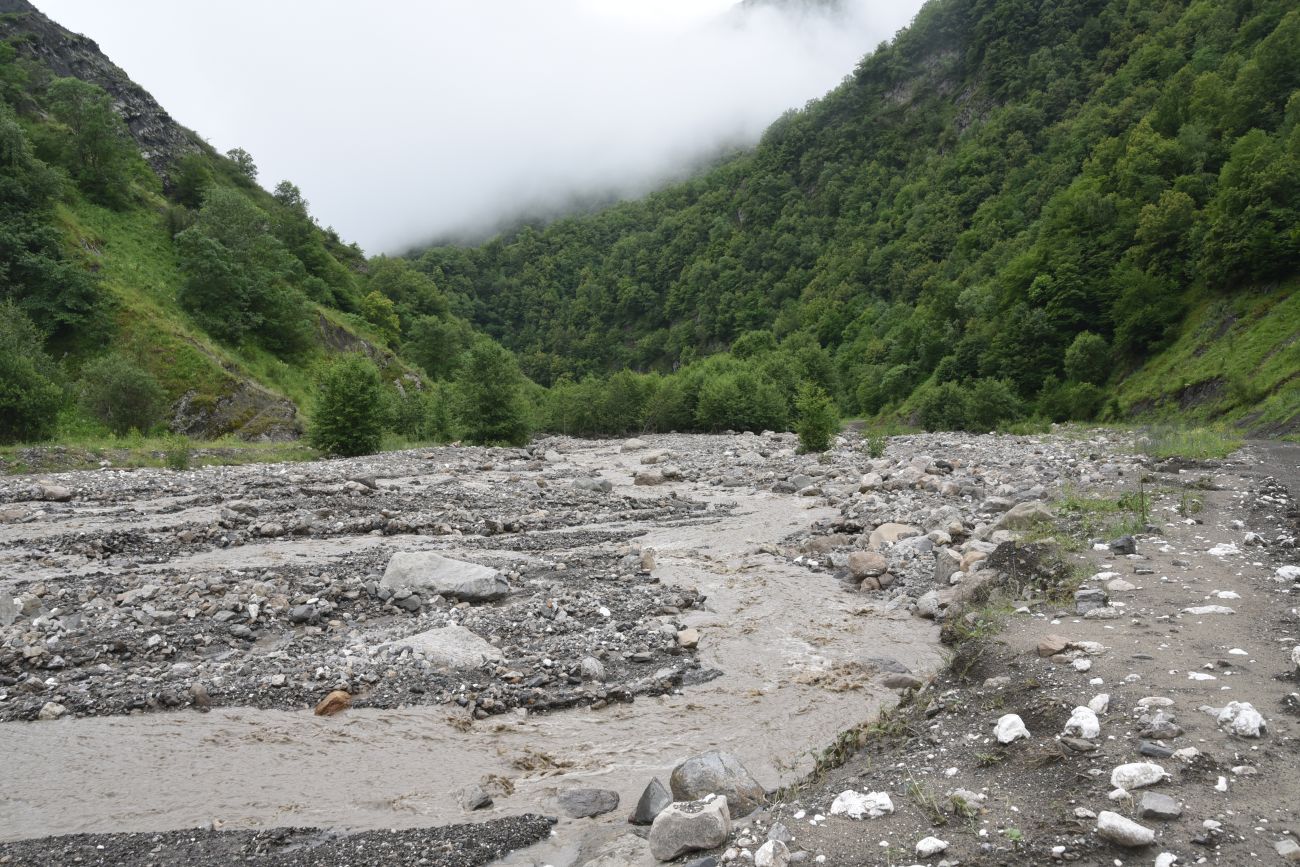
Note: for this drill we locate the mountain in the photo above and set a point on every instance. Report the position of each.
(124, 234)
(1088, 207)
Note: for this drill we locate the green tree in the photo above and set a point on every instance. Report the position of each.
(490, 406)
(818, 420)
(34, 271)
(239, 278)
(351, 410)
(191, 178)
(243, 161)
(379, 312)
(437, 344)
(1088, 359)
(97, 149)
(121, 394)
(30, 396)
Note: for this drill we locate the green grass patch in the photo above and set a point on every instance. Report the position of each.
(1235, 360)
(1196, 443)
(88, 452)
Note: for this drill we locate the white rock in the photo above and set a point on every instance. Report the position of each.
(1083, 722)
(1221, 785)
(859, 805)
(1135, 775)
(1241, 718)
(1295, 657)
(1081, 664)
(773, 853)
(1125, 832)
(931, 846)
(1288, 573)
(1010, 728)
(1224, 549)
(1166, 859)
(1200, 675)
(1209, 609)
(1099, 703)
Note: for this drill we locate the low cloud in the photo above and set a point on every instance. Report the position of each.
(406, 122)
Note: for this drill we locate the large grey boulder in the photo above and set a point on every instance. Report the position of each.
(717, 773)
(584, 803)
(450, 646)
(689, 827)
(430, 573)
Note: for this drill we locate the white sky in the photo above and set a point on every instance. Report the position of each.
(403, 120)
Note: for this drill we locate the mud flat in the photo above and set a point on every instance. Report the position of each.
(167, 634)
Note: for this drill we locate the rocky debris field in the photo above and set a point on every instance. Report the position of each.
(1122, 682)
(264, 586)
(451, 845)
(1132, 702)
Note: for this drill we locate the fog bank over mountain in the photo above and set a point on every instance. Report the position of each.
(403, 122)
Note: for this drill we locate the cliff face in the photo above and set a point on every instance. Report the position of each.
(161, 139)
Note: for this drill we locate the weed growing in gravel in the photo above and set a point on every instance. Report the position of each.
(926, 802)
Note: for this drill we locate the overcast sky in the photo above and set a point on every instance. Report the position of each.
(403, 121)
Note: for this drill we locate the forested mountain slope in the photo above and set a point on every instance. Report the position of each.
(1095, 202)
(132, 255)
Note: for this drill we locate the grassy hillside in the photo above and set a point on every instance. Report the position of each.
(1003, 180)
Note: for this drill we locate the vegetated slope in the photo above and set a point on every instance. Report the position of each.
(1004, 177)
(121, 231)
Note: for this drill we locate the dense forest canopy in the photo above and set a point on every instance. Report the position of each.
(1008, 182)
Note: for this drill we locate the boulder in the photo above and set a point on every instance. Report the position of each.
(862, 805)
(890, 534)
(451, 646)
(336, 702)
(1010, 728)
(867, 564)
(773, 853)
(1083, 722)
(429, 573)
(1024, 516)
(1125, 832)
(473, 798)
(53, 493)
(717, 773)
(634, 445)
(1154, 805)
(1135, 775)
(689, 827)
(648, 478)
(584, 803)
(653, 801)
(946, 562)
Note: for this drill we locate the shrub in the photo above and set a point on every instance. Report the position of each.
(176, 453)
(990, 404)
(351, 411)
(1088, 359)
(740, 401)
(942, 407)
(121, 395)
(818, 419)
(876, 443)
(490, 406)
(419, 414)
(29, 400)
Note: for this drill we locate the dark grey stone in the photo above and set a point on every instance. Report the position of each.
(653, 801)
(581, 803)
(1157, 806)
(1124, 545)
